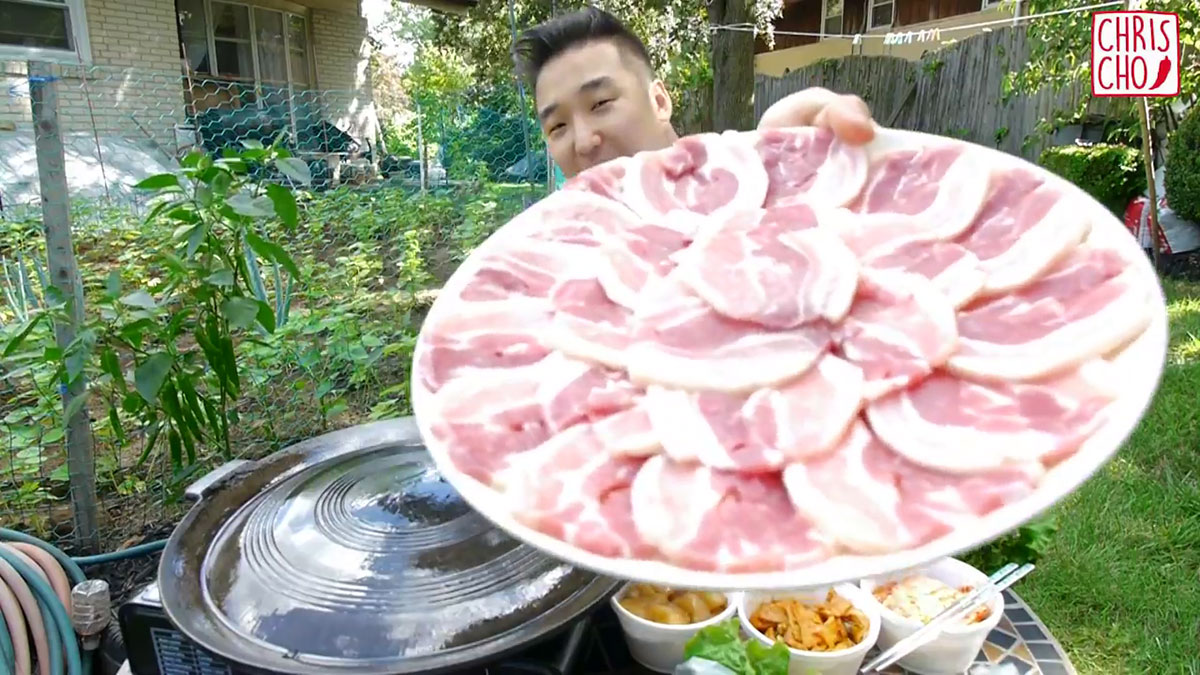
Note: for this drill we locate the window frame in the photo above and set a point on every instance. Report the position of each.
(76, 18)
(256, 75)
(825, 18)
(872, 4)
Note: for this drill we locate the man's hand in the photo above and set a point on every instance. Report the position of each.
(847, 115)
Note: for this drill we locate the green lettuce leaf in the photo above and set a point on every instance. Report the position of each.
(722, 643)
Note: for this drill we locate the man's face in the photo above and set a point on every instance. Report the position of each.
(595, 105)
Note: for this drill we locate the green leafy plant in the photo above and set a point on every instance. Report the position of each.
(722, 643)
(1182, 179)
(1026, 544)
(1113, 174)
(166, 354)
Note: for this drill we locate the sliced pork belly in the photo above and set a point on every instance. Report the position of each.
(1089, 304)
(636, 255)
(575, 489)
(943, 186)
(482, 335)
(704, 519)
(762, 431)
(575, 217)
(892, 242)
(899, 330)
(588, 325)
(486, 416)
(870, 500)
(528, 269)
(1025, 225)
(629, 433)
(709, 174)
(682, 342)
(757, 270)
(805, 163)
(951, 424)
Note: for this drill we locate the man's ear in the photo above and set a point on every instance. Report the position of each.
(661, 100)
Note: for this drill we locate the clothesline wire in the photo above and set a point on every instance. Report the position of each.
(749, 28)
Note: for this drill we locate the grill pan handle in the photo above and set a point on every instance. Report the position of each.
(204, 485)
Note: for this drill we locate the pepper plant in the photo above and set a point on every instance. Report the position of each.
(166, 354)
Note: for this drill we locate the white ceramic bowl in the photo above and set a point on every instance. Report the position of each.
(953, 650)
(659, 646)
(803, 662)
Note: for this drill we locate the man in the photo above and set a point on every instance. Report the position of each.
(598, 97)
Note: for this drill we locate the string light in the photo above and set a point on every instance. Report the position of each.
(926, 35)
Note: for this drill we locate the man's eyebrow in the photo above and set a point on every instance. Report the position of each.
(592, 84)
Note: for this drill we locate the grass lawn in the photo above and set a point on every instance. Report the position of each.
(1120, 584)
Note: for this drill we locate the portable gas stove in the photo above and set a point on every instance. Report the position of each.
(592, 645)
(348, 553)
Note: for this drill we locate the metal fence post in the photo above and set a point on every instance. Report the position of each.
(64, 275)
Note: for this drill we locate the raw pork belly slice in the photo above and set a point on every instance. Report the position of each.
(636, 255)
(718, 521)
(682, 342)
(709, 174)
(870, 500)
(1086, 306)
(892, 242)
(628, 433)
(482, 335)
(589, 326)
(951, 424)
(527, 269)
(757, 271)
(899, 330)
(1024, 226)
(810, 163)
(487, 416)
(942, 185)
(606, 179)
(763, 431)
(574, 489)
(575, 217)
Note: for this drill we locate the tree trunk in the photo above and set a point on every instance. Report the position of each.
(733, 66)
(1148, 161)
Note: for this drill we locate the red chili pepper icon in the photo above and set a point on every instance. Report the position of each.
(1164, 69)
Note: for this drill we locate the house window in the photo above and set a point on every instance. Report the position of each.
(880, 14)
(831, 17)
(243, 43)
(44, 30)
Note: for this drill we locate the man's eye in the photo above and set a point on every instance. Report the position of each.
(600, 104)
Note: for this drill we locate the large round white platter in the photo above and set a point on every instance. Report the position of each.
(1140, 364)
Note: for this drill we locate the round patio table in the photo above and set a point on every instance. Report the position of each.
(1020, 638)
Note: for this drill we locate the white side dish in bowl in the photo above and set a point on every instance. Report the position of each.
(908, 600)
(796, 626)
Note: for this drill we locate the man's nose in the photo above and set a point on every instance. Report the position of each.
(587, 139)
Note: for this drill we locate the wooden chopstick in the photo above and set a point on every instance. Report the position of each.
(1001, 579)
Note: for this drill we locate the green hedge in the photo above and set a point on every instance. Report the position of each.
(1113, 174)
(1182, 180)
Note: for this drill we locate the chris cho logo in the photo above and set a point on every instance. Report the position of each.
(1135, 53)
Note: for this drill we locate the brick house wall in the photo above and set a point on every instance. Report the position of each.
(342, 54)
(135, 88)
(132, 88)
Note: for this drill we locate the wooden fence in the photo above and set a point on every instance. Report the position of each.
(955, 91)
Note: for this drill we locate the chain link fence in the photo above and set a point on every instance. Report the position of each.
(391, 204)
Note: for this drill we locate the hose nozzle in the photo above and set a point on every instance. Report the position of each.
(90, 611)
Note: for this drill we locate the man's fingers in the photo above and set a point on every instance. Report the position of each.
(847, 115)
(798, 109)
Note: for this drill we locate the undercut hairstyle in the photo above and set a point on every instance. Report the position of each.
(538, 45)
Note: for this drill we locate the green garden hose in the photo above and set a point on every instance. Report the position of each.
(60, 634)
(52, 609)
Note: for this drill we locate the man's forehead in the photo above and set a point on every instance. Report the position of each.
(580, 69)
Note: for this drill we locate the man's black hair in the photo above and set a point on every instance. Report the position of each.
(540, 44)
